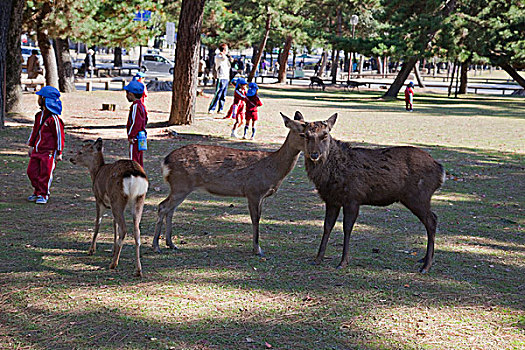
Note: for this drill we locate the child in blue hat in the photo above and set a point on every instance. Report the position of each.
(238, 108)
(46, 144)
(141, 78)
(137, 119)
(252, 103)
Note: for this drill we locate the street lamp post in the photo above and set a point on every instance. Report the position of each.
(353, 21)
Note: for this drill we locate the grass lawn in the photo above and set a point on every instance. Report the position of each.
(213, 294)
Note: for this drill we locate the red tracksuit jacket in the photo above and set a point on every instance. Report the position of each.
(48, 133)
(252, 102)
(137, 119)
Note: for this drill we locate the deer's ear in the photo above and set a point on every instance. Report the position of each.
(98, 144)
(294, 125)
(298, 116)
(331, 121)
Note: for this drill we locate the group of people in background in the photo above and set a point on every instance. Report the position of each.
(245, 99)
(46, 141)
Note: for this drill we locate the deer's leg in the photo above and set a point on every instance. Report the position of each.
(118, 215)
(98, 220)
(166, 209)
(137, 208)
(421, 209)
(331, 214)
(255, 207)
(350, 213)
(161, 214)
(115, 230)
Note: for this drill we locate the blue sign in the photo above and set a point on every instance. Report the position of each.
(142, 16)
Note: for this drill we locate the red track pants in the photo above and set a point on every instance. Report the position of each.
(135, 154)
(40, 172)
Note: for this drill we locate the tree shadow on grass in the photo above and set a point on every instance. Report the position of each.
(46, 251)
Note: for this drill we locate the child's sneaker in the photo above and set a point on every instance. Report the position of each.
(233, 134)
(41, 200)
(32, 198)
(253, 137)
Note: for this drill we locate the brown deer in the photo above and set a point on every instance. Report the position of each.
(349, 177)
(226, 172)
(115, 186)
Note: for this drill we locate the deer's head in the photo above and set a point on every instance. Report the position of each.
(89, 154)
(315, 136)
(296, 127)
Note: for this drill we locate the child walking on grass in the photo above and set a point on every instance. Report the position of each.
(238, 108)
(252, 103)
(409, 97)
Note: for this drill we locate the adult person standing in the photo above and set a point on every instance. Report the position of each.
(33, 66)
(89, 63)
(222, 74)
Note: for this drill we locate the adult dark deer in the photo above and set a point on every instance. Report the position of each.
(349, 177)
(115, 186)
(226, 172)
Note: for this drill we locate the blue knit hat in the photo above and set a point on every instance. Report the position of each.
(240, 81)
(51, 99)
(139, 75)
(252, 89)
(411, 84)
(135, 87)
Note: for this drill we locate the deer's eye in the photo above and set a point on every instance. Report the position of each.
(302, 135)
(323, 136)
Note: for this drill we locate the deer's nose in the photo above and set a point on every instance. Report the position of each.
(314, 156)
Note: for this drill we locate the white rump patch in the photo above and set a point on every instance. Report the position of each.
(165, 171)
(134, 186)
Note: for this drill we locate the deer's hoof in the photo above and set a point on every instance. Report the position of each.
(316, 262)
(91, 251)
(424, 270)
(157, 250)
(259, 252)
(170, 245)
(112, 266)
(138, 273)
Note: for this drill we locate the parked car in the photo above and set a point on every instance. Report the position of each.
(156, 63)
(26, 52)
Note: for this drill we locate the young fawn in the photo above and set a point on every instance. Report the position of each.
(115, 186)
(228, 172)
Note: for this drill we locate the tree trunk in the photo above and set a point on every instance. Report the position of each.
(398, 83)
(379, 62)
(48, 54)
(283, 64)
(186, 62)
(513, 73)
(463, 78)
(335, 61)
(262, 45)
(335, 65)
(5, 16)
(452, 78)
(324, 59)
(117, 57)
(418, 76)
(66, 76)
(14, 58)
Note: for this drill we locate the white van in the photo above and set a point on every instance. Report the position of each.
(156, 63)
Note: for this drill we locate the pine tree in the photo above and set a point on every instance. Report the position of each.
(187, 62)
